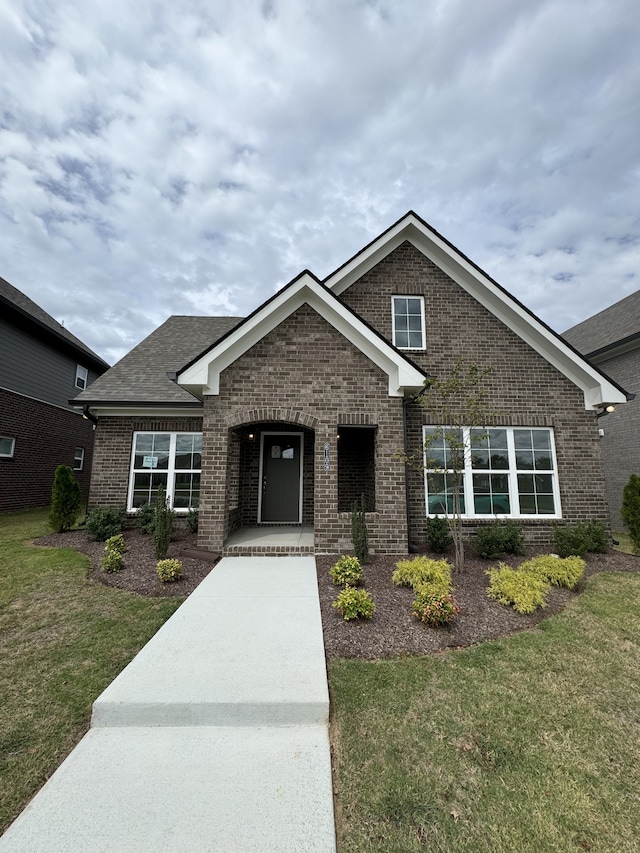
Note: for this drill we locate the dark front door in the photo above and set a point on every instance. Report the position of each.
(281, 472)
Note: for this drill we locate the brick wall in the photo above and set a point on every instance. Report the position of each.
(45, 436)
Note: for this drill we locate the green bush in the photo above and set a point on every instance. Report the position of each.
(163, 525)
(524, 591)
(558, 571)
(359, 533)
(597, 536)
(571, 541)
(113, 560)
(193, 519)
(104, 522)
(66, 500)
(116, 543)
(630, 511)
(423, 570)
(346, 572)
(146, 518)
(498, 538)
(354, 604)
(434, 608)
(437, 534)
(169, 570)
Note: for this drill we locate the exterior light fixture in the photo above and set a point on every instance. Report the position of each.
(610, 409)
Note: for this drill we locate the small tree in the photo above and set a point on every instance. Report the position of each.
(459, 403)
(66, 500)
(631, 510)
(163, 524)
(359, 534)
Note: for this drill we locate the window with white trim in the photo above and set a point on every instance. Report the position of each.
(407, 313)
(78, 459)
(507, 471)
(169, 459)
(7, 446)
(82, 376)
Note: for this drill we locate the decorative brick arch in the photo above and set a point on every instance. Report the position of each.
(267, 414)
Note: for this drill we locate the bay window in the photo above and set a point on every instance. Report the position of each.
(508, 471)
(168, 459)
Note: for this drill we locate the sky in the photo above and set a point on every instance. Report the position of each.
(192, 157)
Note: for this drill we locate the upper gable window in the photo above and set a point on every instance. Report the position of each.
(408, 322)
(7, 446)
(82, 375)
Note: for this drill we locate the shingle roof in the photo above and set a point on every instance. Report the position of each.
(27, 308)
(619, 321)
(141, 376)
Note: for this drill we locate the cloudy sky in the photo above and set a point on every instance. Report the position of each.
(191, 157)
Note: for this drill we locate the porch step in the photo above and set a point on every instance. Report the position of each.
(246, 550)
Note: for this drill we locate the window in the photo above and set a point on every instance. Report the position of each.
(408, 322)
(82, 375)
(78, 459)
(168, 459)
(506, 471)
(7, 446)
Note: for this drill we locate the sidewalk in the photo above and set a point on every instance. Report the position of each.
(214, 738)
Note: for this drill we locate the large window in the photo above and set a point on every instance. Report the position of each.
(168, 459)
(504, 471)
(408, 322)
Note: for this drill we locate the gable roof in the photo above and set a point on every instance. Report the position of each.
(202, 375)
(598, 389)
(36, 319)
(614, 327)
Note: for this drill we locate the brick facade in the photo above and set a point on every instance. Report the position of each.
(45, 436)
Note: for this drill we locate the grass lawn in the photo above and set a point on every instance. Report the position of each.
(63, 638)
(530, 743)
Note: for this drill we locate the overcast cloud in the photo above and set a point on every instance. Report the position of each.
(192, 157)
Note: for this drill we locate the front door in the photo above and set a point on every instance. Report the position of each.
(281, 478)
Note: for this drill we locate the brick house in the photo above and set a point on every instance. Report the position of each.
(287, 416)
(41, 366)
(610, 339)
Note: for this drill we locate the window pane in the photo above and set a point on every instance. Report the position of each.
(546, 504)
(415, 340)
(415, 324)
(402, 323)
(527, 504)
(543, 461)
(402, 339)
(413, 306)
(524, 460)
(525, 483)
(522, 439)
(479, 458)
(541, 440)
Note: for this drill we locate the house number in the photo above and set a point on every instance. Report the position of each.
(327, 458)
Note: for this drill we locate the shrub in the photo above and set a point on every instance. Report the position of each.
(557, 571)
(522, 590)
(359, 533)
(163, 525)
(116, 543)
(433, 608)
(437, 534)
(105, 521)
(66, 500)
(146, 518)
(498, 538)
(597, 536)
(571, 541)
(630, 511)
(346, 572)
(169, 570)
(423, 570)
(355, 603)
(113, 560)
(193, 519)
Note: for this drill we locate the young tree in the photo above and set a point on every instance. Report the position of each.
(631, 510)
(458, 403)
(66, 500)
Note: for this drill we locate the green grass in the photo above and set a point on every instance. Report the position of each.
(624, 542)
(63, 638)
(530, 743)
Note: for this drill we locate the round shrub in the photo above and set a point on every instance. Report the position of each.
(354, 604)
(112, 562)
(423, 570)
(346, 572)
(437, 534)
(498, 538)
(433, 608)
(522, 590)
(558, 571)
(169, 570)
(105, 521)
(116, 543)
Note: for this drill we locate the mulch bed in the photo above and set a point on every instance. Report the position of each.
(392, 630)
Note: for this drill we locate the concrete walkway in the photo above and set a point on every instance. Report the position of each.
(214, 738)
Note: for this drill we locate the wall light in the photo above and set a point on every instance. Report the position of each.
(610, 409)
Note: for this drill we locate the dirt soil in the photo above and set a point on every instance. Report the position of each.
(392, 630)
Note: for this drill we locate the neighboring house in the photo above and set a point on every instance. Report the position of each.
(41, 366)
(611, 341)
(288, 416)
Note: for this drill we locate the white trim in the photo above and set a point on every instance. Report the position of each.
(82, 377)
(170, 470)
(110, 411)
(300, 474)
(423, 331)
(80, 458)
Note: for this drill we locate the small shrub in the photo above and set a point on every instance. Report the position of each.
(359, 533)
(169, 570)
(346, 572)
(437, 534)
(558, 571)
(113, 561)
(66, 500)
(146, 518)
(163, 525)
(498, 538)
(597, 536)
(433, 608)
(630, 511)
(116, 543)
(571, 541)
(423, 570)
(522, 590)
(193, 519)
(354, 603)
(105, 521)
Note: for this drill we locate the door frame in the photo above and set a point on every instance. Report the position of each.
(300, 471)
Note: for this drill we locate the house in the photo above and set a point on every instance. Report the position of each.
(41, 365)
(610, 339)
(289, 415)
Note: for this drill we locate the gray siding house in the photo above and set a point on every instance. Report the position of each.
(287, 416)
(610, 339)
(42, 365)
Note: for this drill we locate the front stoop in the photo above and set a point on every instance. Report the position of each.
(267, 550)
